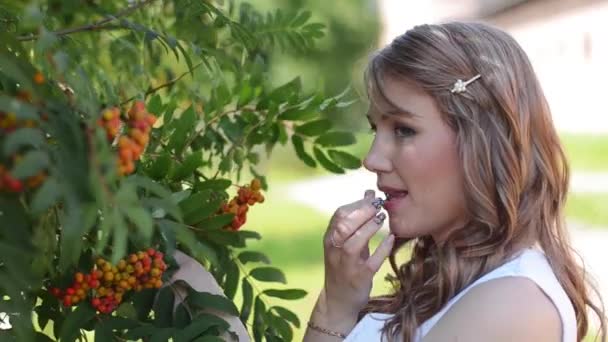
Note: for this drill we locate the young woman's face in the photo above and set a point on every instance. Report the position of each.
(415, 157)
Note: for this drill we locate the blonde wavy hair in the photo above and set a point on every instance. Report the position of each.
(515, 171)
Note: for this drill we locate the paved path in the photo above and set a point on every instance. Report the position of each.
(329, 192)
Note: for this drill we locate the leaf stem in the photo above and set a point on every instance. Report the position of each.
(96, 26)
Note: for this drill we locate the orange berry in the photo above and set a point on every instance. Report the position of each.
(150, 119)
(131, 280)
(38, 78)
(256, 184)
(122, 264)
(80, 293)
(106, 267)
(155, 272)
(108, 276)
(158, 284)
(79, 277)
(75, 299)
(108, 115)
(141, 255)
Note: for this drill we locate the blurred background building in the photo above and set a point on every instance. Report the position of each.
(566, 41)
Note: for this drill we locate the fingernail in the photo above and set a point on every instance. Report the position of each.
(378, 203)
(380, 218)
(368, 193)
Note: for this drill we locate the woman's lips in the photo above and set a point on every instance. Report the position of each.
(393, 200)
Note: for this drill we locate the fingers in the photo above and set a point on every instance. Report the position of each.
(360, 238)
(349, 218)
(382, 252)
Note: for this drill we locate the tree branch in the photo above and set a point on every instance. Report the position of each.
(164, 85)
(99, 25)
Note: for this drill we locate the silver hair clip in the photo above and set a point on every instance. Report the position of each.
(460, 86)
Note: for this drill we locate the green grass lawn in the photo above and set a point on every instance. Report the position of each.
(588, 209)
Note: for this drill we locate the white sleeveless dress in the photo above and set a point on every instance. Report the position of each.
(530, 263)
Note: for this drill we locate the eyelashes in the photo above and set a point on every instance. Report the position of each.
(400, 131)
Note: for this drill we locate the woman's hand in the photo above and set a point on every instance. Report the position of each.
(349, 267)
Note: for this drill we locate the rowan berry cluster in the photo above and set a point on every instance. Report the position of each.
(9, 122)
(132, 143)
(239, 204)
(11, 184)
(106, 284)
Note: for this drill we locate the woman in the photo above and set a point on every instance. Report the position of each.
(476, 181)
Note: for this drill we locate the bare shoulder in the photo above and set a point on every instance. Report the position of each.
(503, 309)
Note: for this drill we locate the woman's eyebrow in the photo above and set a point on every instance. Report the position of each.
(394, 113)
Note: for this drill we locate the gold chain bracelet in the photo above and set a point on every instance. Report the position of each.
(325, 331)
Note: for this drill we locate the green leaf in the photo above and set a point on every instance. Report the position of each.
(246, 94)
(191, 163)
(259, 314)
(247, 292)
(334, 139)
(326, 163)
(23, 137)
(149, 185)
(46, 196)
(74, 321)
(282, 93)
(201, 324)
(232, 279)
(208, 300)
(162, 335)
(287, 315)
(298, 145)
(200, 206)
(344, 159)
(289, 294)
(253, 256)
(214, 184)
(103, 333)
(298, 114)
(160, 167)
(281, 326)
(32, 163)
(163, 308)
(155, 105)
(187, 238)
(142, 220)
(314, 128)
(249, 234)
(216, 222)
(268, 274)
(127, 310)
(181, 317)
(185, 124)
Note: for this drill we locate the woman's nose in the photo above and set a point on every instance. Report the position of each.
(377, 160)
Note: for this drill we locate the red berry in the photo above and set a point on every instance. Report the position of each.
(70, 291)
(67, 301)
(56, 292)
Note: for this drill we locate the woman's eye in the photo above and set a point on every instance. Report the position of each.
(404, 131)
